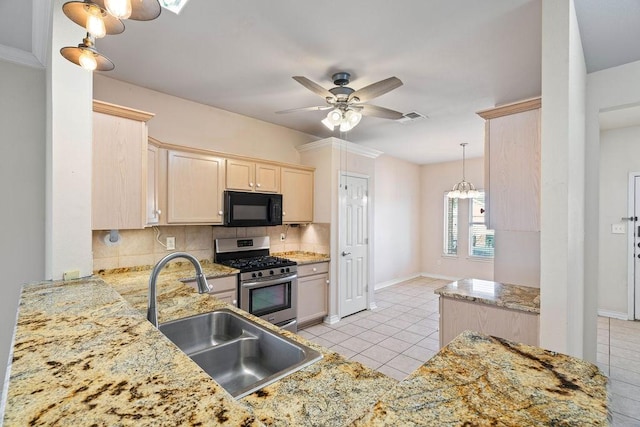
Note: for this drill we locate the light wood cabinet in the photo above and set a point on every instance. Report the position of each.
(153, 202)
(119, 167)
(245, 175)
(297, 195)
(195, 183)
(512, 166)
(457, 316)
(313, 287)
(223, 288)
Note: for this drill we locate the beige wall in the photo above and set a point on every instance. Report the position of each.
(397, 220)
(435, 180)
(22, 190)
(619, 155)
(188, 123)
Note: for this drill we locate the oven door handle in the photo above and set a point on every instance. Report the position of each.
(260, 283)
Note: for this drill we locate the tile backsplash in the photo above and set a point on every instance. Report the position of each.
(143, 247)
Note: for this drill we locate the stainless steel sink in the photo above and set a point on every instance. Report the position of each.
(241, 355)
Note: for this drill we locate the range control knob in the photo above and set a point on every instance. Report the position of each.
(253, 275)
(282, 270)
(271, 272)
(287, 269)
(260, 274)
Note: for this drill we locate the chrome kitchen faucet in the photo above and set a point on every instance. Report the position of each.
(203, 286)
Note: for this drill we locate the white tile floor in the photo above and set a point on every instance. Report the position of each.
(402, 333)
(397, 337)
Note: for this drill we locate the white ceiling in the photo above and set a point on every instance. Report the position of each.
(455, 57)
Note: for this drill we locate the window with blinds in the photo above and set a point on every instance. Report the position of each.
(450, 226)
(481, 240)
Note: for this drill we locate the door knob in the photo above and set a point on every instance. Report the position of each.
(345, 253)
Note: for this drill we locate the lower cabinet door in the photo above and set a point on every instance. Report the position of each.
(312, 298)
(228, 296)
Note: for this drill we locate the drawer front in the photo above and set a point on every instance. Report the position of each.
(218, 284)
(310, 269)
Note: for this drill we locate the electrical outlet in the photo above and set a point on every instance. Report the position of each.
(171, 243)
(282, 237)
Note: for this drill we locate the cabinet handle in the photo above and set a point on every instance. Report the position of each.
(219, 212)
(258, 185)
(235, 302)
(327, 281)
(284, 213)
(315, 269)
(158, 212)
(251, 184)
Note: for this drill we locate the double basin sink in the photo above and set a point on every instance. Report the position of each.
(241, 355)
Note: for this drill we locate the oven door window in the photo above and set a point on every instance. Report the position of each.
(269, 299)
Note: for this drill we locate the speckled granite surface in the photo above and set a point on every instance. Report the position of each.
(518, 385)
(303, 257)
(85, 355)
(523, 298)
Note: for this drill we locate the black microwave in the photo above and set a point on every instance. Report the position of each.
(252, 209)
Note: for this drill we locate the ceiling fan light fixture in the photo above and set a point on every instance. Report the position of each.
(334, 117)
(353, 117)
(464, 189)
(326, 122)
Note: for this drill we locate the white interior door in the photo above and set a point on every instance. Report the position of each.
(636, 246)
(354, 245)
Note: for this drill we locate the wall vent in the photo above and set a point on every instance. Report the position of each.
(410, 117)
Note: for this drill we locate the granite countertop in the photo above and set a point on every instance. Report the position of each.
(84, 354)
(515, 297)
(462, 386)
(301, 257)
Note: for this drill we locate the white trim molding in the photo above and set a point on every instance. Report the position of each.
(350, 147)
(40, 37)
(613, 314)
(19, 56)
(392, 282)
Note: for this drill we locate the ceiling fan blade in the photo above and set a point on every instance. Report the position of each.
(313, 87)
(316, 108)
(376, 89)
(375, 111)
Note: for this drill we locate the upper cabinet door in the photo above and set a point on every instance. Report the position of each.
(119, 167)
(195, 183)
(267, 178)
(153, 207)
(245, 175)
(240, 175)
(297, 196)
(512, 166)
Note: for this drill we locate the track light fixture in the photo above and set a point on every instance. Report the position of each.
(86, 56)
(102, 17)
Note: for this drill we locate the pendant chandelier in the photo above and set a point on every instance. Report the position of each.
(463, 189)
(102, 17)
(344, 117)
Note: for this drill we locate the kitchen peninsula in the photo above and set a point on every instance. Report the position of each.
(84, 354)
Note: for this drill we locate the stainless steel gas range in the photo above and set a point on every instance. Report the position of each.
(267, 285)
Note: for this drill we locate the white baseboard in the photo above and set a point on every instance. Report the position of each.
(441, 277)
(392, 282)
(613, 314)
(331, 320)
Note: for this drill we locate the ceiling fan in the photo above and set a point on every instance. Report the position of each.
(346, 104)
